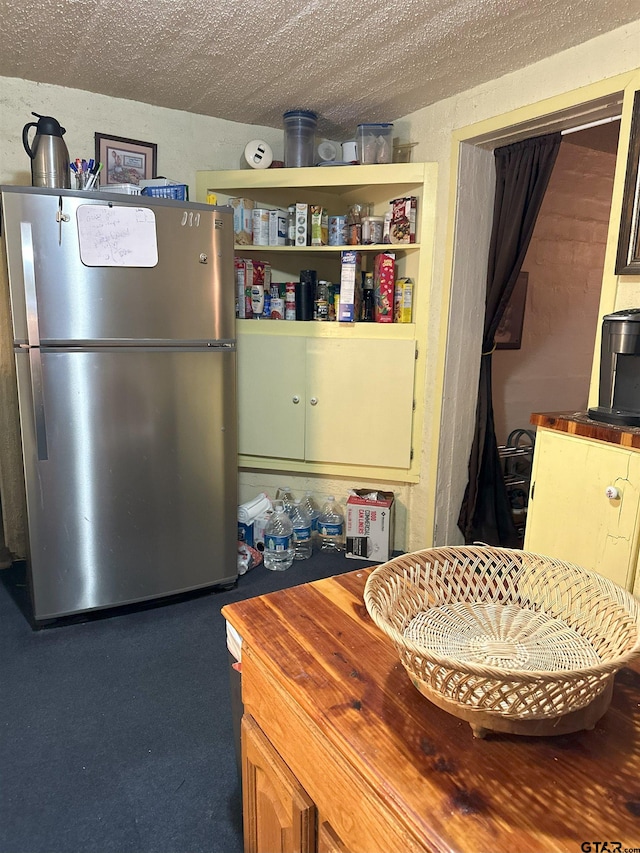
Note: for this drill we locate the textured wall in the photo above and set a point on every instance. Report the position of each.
(552, 370)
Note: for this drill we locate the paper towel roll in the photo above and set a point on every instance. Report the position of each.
(249, 511)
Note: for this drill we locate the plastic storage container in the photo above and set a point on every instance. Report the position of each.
(299, 138)
(375, 143)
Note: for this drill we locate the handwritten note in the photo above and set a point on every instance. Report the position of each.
(117, 236)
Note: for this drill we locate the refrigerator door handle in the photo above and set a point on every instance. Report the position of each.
(33, 337)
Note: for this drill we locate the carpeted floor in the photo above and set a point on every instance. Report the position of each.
(116, 730)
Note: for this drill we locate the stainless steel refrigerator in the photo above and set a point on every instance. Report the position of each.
(124, 339)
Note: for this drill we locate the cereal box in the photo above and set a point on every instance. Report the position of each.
(370, 525)
(242, 220)
(403, 220)
(384, 275)
(349, 303)
(403, 302)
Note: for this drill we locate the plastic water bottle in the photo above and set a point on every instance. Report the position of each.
(301, 532)
(285, 495)
(278, 541)
(331, 526)
(313, 511)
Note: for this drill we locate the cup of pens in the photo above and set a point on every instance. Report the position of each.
(86, 174)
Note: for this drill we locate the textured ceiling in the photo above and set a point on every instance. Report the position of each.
(352, 62)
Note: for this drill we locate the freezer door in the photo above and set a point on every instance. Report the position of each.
(137, 495)
(187, 295)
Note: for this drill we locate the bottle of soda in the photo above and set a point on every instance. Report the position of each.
(301, 532)
(278, 544)
(313, 511)
(331, 526)
(368, 302)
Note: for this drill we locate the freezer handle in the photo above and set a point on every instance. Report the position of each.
(33, 336)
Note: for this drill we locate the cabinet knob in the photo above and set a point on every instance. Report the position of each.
(314, 401)
(612, 493)
(295, 399)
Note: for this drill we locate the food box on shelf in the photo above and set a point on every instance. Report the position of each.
(242, 220)
(384, 276)
(403, 300)
(319, 225)
(403, 220)
(349, 304)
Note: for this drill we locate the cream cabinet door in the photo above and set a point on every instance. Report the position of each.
(271, 395)
(359, 406)
(570, 515)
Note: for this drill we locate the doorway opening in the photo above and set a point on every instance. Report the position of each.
(546, 366)
(472, 229)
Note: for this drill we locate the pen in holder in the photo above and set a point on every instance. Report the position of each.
(85, 181)
(85, 174)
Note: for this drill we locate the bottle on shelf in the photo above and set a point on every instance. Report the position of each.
(278, 541)
(368, 301)
(321, 306)
(301, 532)
(331, 526)
(313, 511)
(285, 496)
(291, 225)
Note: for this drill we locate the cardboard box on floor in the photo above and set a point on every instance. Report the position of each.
(369, 525)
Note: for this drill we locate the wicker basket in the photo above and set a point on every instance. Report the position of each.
(507, 640)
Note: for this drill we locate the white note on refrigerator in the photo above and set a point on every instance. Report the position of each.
(117, 236)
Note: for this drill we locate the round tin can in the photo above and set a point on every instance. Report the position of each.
(260, 222)
(337, 230)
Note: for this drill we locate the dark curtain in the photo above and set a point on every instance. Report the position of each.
(522, 175)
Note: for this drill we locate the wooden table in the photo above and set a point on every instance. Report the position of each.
(341, 752)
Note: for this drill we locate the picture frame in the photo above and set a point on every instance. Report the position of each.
(509, 332)
(125, 161)
(628, 255)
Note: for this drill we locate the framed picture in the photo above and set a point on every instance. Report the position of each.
(125, 161)
(628, 257)
(509, 333)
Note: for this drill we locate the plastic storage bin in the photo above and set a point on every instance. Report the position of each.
(180, 192)
(299, 137)
(375, 143)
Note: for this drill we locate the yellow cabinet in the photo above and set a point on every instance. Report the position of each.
(326, 400)
(584, 504)
(352, 393)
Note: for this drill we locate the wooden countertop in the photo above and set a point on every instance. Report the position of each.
(579, 423)
(453, 793)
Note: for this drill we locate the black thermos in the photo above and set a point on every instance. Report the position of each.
(305, 294)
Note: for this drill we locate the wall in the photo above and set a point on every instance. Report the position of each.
(186, 142)
(552, 369)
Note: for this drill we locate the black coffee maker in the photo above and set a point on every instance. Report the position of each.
(619, 395)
